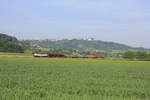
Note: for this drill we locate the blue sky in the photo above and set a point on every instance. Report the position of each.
(123, 21)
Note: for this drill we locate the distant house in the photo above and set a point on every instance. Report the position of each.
(100, 51)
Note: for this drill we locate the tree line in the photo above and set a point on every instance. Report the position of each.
(137, 55)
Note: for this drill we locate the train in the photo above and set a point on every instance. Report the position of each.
(50, 55)
(67, 56)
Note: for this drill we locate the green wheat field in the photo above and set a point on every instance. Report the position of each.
(73, 79)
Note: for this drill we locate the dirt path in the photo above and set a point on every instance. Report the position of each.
(16, 56)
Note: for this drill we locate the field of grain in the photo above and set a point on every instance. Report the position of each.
(73, 79)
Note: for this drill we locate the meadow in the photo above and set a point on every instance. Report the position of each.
(73, 79)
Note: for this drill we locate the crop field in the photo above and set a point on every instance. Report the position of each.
(73, 79)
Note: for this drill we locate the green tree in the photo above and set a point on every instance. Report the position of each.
(10, 44)
(141, 55)
(129, 55)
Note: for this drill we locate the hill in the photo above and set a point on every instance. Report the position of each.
(83, 45)
(10, 44)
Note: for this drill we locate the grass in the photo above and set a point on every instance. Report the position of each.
(73, 79)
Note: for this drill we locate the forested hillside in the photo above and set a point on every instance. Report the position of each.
(10, 44)
(83, 45)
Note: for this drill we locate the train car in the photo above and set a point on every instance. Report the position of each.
(56, 56)
(72, 56)
(40, 55)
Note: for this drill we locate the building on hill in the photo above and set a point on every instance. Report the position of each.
(91, 39)
(96, 51)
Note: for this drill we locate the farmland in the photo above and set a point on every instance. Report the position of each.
(73, 79)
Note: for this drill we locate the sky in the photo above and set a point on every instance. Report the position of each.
(122, 21)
